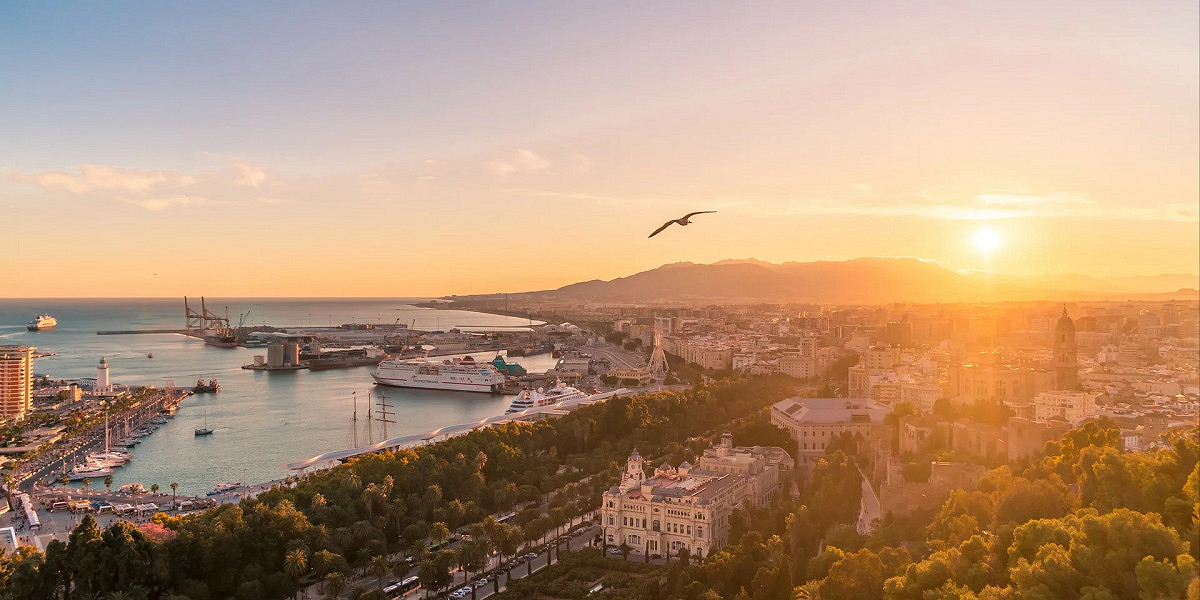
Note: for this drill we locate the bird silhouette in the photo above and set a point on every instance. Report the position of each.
(684, 221)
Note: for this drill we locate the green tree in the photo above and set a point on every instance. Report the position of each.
(335, 584)
(295, 564)
(378, 567)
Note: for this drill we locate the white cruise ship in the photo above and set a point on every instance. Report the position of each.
(42, 323)
(530, 399)
(463, 375)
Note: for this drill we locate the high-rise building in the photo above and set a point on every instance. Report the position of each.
(1066, 364)
(16, 382)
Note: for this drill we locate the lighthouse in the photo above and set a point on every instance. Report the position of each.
(102, 385)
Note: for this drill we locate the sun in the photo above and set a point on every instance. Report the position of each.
(986, 240)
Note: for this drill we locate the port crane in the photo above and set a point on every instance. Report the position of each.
(205, 320)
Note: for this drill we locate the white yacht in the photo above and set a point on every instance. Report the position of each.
(463, 375)
(89, 471)
(531, 399)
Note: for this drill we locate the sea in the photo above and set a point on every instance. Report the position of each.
(261, 420)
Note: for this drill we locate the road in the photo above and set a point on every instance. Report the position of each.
(618, 357)
(522, 568)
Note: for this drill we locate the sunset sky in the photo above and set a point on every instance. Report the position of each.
(404, 149)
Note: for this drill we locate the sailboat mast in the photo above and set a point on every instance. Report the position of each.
(354, 421)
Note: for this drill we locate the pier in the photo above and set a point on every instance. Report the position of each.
(138, 331)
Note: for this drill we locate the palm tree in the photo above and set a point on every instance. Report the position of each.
(335, 584)
(174, 486)
(9, 484)
(118, 595)
(86, 484)
(107, 484)
(378, 567)
(154, 488)
(809, 591)
(295, 563)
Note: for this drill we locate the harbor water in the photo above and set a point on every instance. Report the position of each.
(261, 420)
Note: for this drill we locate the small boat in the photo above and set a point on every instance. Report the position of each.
(223, 487)
(149, 355)
(204, 430)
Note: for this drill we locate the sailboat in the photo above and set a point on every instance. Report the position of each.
(204, 430)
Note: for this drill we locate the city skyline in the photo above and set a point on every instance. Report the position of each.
(407, 150)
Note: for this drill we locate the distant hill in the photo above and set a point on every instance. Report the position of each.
(860, 281)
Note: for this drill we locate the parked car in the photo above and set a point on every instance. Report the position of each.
(614, 550)
(482, 582)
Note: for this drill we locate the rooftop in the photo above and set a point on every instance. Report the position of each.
(831, 410)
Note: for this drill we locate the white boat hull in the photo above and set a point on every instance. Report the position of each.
(433, 384)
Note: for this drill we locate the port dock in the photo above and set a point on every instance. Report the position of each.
(137, 331)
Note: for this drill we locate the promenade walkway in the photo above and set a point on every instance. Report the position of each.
(442, 433)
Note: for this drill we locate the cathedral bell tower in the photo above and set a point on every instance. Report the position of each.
(1066, 363)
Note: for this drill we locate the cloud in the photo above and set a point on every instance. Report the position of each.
(162, 202)
(87, 178)
(518, 160)
(158, 189)
(248, 174)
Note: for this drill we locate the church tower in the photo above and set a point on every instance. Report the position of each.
(1066, 364)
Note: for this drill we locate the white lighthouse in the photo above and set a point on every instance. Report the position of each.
(102, 385)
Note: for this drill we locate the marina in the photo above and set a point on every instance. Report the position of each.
(260, 421)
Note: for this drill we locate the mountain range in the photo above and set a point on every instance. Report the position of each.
(862, 281)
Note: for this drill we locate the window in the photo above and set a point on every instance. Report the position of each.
(699, 531)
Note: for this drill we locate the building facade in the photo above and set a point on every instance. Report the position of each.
(16, 382)
(816, 422)
(689, 507)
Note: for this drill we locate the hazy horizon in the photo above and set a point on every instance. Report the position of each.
(425, 150)
(434, 296)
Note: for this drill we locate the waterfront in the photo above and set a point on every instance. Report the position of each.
(261, 420)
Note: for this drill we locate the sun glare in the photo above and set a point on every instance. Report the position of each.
(986, 240)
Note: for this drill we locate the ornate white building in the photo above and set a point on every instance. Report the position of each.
(689, 506)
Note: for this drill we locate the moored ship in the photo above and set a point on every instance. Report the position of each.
(463, 375)
(527, 399)
(222, 339)
(42, 323)
(348, 358)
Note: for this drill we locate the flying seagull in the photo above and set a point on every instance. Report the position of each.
(684, 220)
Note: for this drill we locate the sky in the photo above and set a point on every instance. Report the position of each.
(409, 149)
